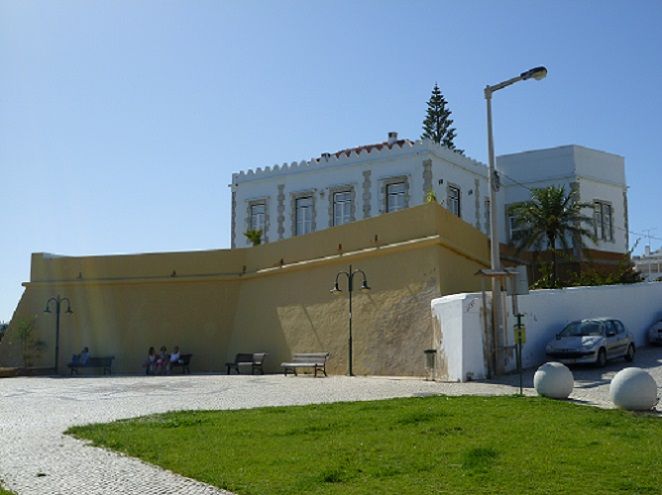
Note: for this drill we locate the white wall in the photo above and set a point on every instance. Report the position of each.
(460, 346)
(531, 166)
(546, 313)
(591, 190)
(600, 175)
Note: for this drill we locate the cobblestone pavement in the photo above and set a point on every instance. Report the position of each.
(37, 458)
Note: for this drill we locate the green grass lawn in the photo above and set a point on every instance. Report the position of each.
(403, 446)
(5, 492)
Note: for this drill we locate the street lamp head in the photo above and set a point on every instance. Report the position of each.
(47, 310)
(336, 291)
(364, 285)
(69, 310)
(536, 73)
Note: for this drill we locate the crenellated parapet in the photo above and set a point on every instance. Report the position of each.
(359, 155)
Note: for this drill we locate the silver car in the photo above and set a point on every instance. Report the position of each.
(593, 340)
(655, 333)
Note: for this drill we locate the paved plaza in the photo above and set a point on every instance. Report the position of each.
(37, 458)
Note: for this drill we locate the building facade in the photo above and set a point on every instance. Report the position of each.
(354, 184)
(649, 264)
(357, 183)
(597, 177)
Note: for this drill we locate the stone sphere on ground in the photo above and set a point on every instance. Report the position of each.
(553, 380)
(633, 389)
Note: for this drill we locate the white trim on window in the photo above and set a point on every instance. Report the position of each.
(303, 215)
(258, 215)
(342, 207)
(395, 196)
(453, 201)
(603, 218)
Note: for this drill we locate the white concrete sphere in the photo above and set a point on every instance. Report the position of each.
(633, 389)
(554, 380)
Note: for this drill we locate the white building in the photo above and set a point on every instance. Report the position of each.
(649, 264)
(598, 178)
(356, 183)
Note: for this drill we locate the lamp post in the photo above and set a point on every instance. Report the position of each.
(350, 288)
(58, 300)
(536, 73)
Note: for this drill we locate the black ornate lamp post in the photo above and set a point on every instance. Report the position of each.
(350, 288)
(58, 300)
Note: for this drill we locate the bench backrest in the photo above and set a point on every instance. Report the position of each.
(258, 357)
(310, 357)
(243, 357)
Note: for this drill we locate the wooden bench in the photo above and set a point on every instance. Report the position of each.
(94, 362)
(314, 360)
(183, 363)
(255, 360)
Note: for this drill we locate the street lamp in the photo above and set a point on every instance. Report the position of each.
(350, 288)
(58, 300)
(536, 73)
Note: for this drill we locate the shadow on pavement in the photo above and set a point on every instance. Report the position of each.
(590, 377)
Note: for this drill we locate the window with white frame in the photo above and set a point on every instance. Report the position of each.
(395, 196)
(453, 201)
(603, 220)
(304, 215)
(258, 214)
(342, 207)
(516, 227)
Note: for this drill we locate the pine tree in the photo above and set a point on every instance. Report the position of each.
(437, 123)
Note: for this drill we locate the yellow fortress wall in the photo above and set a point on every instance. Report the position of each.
(273, 298)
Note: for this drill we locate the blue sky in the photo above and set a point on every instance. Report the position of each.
(121, 122)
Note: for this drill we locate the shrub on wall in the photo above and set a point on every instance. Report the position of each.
(255, 236)
(590, 274)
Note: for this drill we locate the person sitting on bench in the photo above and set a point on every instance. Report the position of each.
(82, 358)
(150, 362)
(175, 358)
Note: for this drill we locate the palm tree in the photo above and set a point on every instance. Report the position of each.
(551, 218)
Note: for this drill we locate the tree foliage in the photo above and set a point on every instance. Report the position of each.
(31, 347)
(437, 123)
(591, 274)
(623, 272)
(254, 236)
(550, 219)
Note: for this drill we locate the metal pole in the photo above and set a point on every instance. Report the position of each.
(519, 351)
(495, 260)
(350, 288)
(498, 313)
(58, 300)
(487, 331)
(57, 332)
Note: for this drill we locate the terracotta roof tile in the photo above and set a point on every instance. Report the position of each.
(369, 147)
